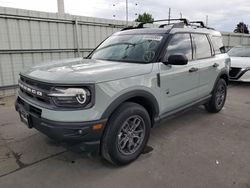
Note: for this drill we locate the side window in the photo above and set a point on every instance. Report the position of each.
(180, 44)
(203, 48)
(218, 44)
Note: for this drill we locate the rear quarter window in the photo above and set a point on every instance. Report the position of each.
(202, 46)
(218, 44)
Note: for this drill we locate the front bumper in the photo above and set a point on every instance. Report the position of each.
(63, 131)
(242, 76)
(245, 77)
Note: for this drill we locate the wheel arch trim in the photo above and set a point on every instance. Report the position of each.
(130, 95)
(223, 73)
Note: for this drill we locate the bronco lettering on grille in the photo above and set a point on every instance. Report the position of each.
(30, 90)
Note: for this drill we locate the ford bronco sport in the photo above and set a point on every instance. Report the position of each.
(128, 84)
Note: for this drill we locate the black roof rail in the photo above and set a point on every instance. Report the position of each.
(175, 25)
(140, 25)
(128, 28)
(202, 25)
(184, 20)
(198, 22)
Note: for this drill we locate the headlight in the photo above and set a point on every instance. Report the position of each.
(71, 97)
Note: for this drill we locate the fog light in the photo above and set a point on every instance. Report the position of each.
(80, 132)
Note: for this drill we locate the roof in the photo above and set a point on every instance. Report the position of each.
(182, 26)
(196, 30)
(168, 30)
(145, 31)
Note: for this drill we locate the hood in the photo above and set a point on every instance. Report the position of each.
(240, 62)
(79, 70)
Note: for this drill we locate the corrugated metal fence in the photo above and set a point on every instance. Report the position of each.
(31, 37)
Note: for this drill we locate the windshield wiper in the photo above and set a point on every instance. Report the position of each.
(116, 44)
(123, 43)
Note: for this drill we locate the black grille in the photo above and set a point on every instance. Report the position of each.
(234, 72)
(44, 88)
(34, 83)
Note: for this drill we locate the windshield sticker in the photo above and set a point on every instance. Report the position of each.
(152, 37)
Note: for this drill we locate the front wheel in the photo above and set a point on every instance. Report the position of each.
(216, 103)
(126, 134)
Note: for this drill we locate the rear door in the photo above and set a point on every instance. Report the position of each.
(179, 83)
(208, 62)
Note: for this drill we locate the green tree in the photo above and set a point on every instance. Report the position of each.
(145, 18)
(241, 28)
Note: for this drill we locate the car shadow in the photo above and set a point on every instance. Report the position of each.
(167, 127)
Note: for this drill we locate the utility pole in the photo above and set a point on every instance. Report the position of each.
(127, 12)
(180, 15)
(169, 15)
(60, 7)
(206, 20)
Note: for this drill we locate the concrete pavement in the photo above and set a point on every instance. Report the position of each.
(195, 149)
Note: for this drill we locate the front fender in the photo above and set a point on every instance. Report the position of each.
(149, 98)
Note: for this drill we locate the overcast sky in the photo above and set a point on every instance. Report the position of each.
(223, 14)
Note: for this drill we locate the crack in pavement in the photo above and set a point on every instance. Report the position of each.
(23, 139)
(5, 139)
(4, 124)
(18, 140)
(23, 166)
(17, 156)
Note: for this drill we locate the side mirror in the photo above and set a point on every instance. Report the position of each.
(177, 59)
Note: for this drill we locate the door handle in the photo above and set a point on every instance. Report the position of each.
(215, 65)
(193, 69)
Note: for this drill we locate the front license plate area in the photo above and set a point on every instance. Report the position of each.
(25, 117)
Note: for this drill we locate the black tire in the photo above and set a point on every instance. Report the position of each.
(219, 94)
(120, 120)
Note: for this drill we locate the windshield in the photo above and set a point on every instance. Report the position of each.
(239, 52)
(128, 48)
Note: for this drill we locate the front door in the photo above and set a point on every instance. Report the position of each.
(179, 83)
